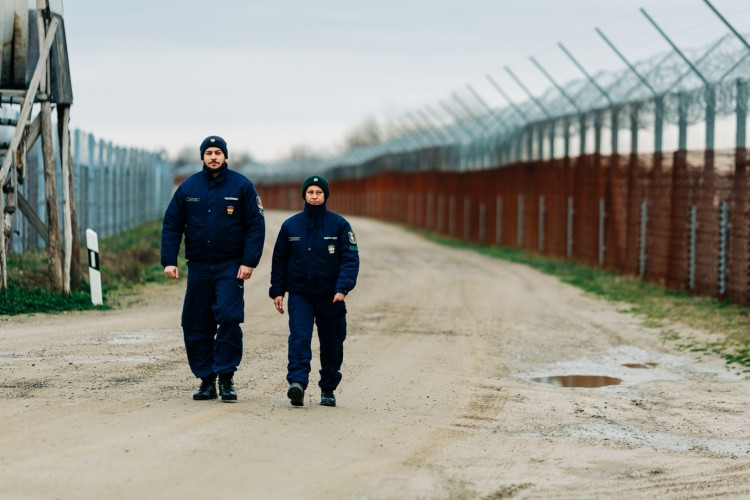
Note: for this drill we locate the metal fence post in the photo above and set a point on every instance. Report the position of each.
(519, 221)
(569, 228)
(430, 210)
(467, 218)
(693, 238)
(498, 219)
(741, 113)
(724, 227)
(482, 230)
(542, 217)
(441, 213)
(602, 219)
(452, 216)
(642, 240)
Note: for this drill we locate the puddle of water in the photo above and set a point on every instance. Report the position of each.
(640, 365)
(587, 381)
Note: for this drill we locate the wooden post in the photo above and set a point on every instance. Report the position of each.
(7, 211)
(50, 193)
(68, 236)
(6, 219)
(72, 241)
(72, 254)
(50, 178)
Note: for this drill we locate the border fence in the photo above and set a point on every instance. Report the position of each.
(642, 172)
(679, 220)
(117, 188)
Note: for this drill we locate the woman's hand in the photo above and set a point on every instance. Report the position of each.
(278, 302)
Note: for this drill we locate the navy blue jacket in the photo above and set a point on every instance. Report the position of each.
(315, 253)
(221, 218)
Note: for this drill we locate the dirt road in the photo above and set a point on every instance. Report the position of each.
(445, 396)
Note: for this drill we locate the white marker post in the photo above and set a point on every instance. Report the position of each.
(92, 242)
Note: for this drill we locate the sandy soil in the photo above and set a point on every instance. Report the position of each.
(445, 396)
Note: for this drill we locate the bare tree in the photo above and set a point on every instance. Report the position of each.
(301, 152)
(366, 133)
(185, 156)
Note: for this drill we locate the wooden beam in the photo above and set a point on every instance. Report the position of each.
(35, 128)
(28, 211)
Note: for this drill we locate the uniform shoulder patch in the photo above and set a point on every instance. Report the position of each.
(260, 204)
(352, 237)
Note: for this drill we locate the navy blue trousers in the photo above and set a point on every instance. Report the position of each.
(330, 318)
(212, 312)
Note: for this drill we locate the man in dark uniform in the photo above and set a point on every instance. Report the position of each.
(316, 260)
(221, 216)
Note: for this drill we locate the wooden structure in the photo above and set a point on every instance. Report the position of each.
(35, 77)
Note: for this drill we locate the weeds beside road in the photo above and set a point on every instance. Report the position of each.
(127, 262)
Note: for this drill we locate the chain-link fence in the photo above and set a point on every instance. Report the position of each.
(641, 171)
(116, 188)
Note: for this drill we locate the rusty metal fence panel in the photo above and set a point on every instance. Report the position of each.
(559, 208)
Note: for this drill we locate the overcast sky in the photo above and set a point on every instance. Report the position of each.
(271, 74)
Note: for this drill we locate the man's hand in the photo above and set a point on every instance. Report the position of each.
(244, 273)
(172, 271)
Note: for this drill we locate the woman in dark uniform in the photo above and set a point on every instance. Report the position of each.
(315, 260)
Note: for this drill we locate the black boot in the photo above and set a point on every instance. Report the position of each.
(296, 394)
(327, 398)
(207, 390)
(226, 389)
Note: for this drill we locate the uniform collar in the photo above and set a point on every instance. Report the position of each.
(313, 210)
(210, 173)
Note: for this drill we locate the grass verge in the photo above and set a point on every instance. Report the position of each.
(126, 262)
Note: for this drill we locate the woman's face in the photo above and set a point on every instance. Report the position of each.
(314, 195)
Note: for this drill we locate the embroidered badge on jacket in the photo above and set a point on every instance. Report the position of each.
(331, 249)
(230, 209)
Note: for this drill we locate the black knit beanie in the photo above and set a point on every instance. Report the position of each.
(315, 180)
(214, 141)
